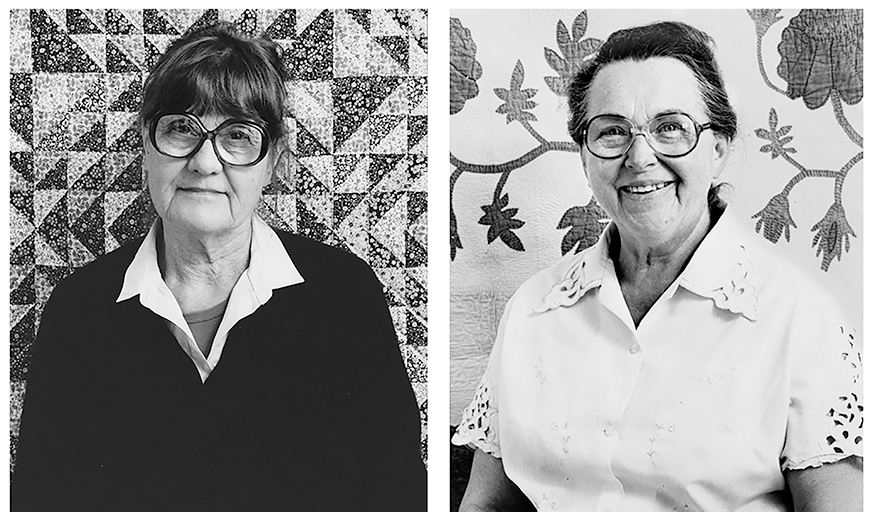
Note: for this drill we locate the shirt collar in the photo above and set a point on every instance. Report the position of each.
(270, 267)
(718, 270)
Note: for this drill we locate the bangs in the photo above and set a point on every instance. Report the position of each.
(218, 75)
(216, 87)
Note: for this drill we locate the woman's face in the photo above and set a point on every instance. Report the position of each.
(199, 195)
(654, 200)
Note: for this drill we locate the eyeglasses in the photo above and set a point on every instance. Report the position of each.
(672, 135)
(236, 142)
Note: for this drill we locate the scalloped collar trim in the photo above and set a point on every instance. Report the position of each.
(719, 270)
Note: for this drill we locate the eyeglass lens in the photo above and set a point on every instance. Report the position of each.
(180, 135)
(670, 135)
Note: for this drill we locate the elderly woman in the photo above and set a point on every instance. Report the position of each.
(679, 363)
(218, 364)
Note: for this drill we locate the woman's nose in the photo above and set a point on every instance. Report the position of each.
(205, 160)
(640, 154)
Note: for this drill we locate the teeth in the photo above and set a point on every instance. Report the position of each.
(646, 188)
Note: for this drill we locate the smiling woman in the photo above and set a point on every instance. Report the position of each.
(679, 363)
(658, 202)
(202, 368)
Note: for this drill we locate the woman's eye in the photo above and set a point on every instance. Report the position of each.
(180, 128)
(239, 135)
(670, 127)
(613, 131)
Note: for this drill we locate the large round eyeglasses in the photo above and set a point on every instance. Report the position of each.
(236, 142)
(672, 135)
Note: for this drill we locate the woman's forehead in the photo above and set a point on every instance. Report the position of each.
(220, 115)
(641, 90)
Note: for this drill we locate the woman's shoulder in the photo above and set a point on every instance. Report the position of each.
(102, 278)
(314, 258)
(775, 275)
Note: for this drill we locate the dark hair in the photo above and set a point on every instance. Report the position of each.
(218, 70)
(673, 39)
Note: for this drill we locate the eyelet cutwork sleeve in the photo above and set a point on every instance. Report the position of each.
(826, 416)
(479, 424)
(847, 416)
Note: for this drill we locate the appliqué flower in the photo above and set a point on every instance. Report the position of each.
(776, 218)
(763, 19)
(566, 292)
(822, 50)
(833, 230)
(738, 295)
(464, 68)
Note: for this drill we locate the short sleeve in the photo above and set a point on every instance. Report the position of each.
(826, 409)
(479, 425)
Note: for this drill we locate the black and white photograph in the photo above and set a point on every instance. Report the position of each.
(634, 284)
(656, 223)
(218, 255)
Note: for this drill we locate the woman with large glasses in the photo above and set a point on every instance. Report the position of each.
(218, 365)
(679, 363)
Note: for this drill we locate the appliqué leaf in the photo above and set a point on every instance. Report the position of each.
(501, 223)
(455, 242)
(516, 99)
(586, 223)
(776, 136)
(574, 50)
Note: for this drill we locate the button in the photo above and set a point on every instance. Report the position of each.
(634, 348)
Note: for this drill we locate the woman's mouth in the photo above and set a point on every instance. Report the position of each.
(198, 190)
(646, 189)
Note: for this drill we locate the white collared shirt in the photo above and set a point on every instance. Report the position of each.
(270, 268)
(744, 367)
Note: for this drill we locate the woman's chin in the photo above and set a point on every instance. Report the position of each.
(200, 223)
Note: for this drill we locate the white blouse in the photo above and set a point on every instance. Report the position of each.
(270, 268)
(743, 368)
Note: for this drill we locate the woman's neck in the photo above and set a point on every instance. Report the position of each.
(645, 270)
(201, 271)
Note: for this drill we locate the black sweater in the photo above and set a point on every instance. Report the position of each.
(309, 407)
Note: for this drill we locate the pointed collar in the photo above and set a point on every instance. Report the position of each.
(270, 267)
(718, 270)
(585, 273)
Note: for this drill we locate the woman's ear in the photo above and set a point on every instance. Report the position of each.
(721, 150)
(283, 164)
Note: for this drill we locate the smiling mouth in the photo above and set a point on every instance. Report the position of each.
(646, 189)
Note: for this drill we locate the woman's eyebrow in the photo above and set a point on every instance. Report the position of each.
(669, 111)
